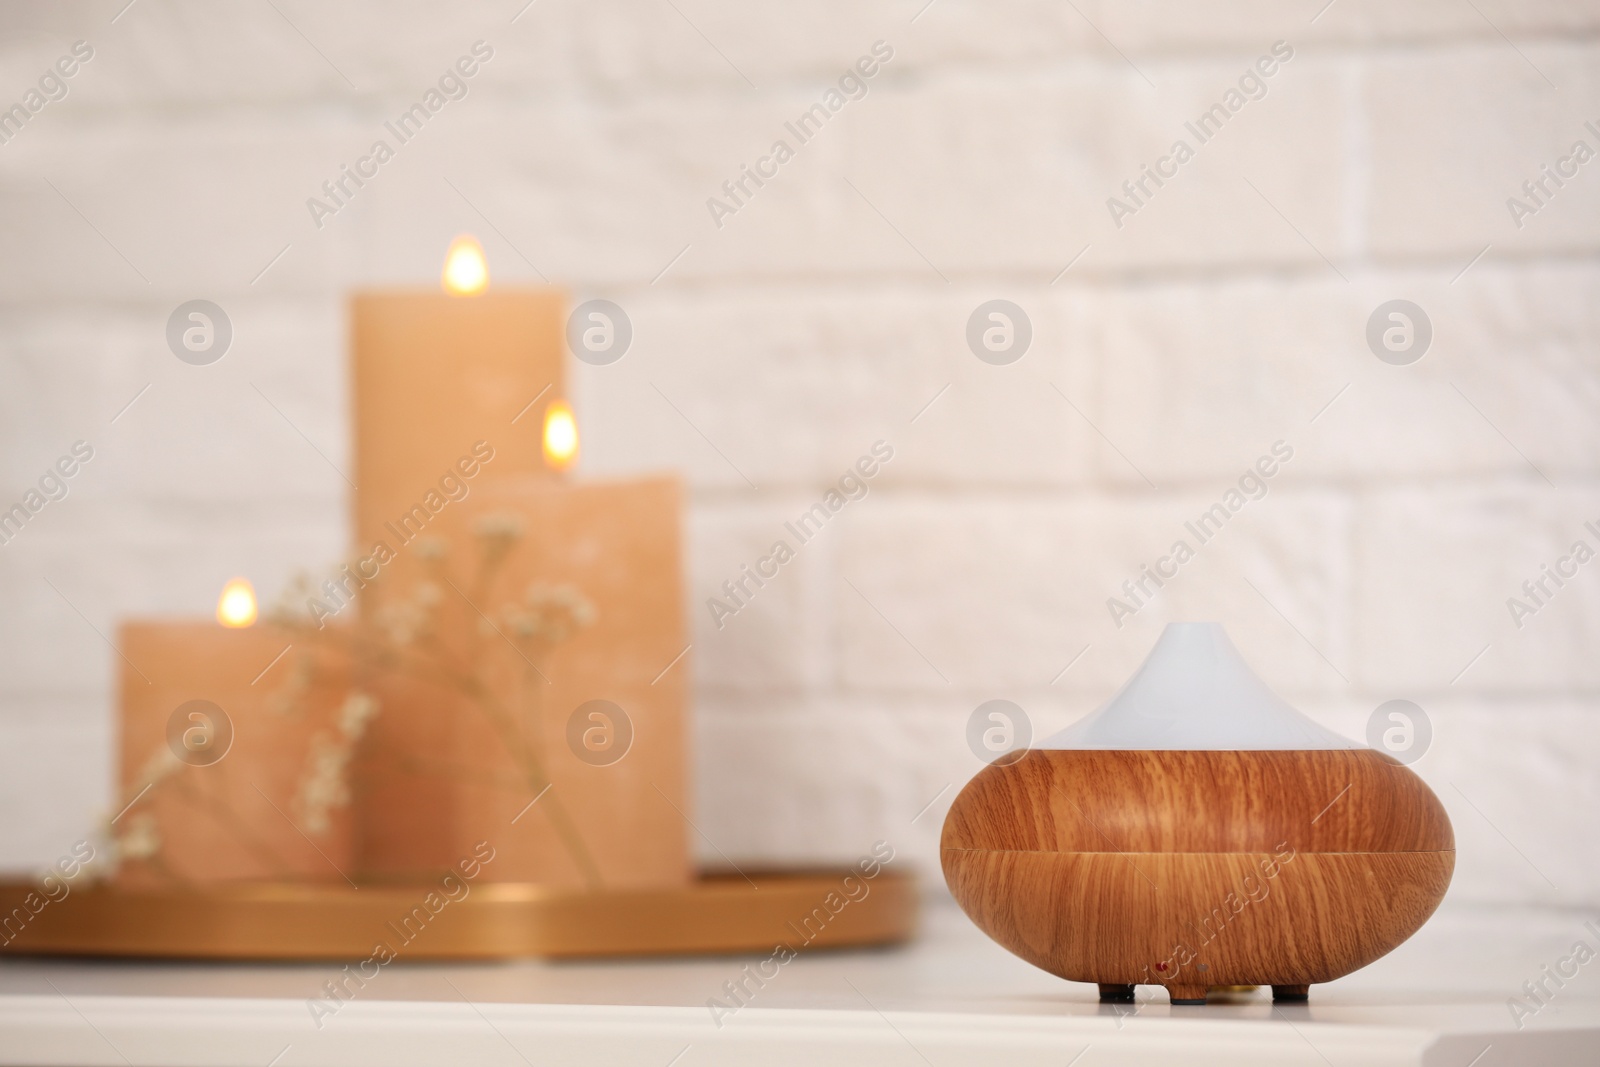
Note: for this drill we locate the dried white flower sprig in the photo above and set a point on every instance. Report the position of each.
(325, 784)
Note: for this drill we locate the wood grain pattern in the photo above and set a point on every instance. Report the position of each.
(1342, 800)
(1189, 869)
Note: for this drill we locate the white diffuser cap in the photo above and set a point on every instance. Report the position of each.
(1194, 691)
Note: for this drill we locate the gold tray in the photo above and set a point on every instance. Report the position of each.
(494, 920)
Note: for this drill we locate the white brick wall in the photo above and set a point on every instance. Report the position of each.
(827, 314)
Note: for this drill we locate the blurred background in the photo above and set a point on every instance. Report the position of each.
(782, 329)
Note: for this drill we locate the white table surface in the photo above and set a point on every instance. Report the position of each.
(950, 998)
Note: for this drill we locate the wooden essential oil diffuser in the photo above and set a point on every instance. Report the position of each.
(1251, 847)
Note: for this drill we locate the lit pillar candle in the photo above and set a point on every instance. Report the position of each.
(476, 725)
(447, 382)
(450, 388)
(579, 644)
(610, 713)
(225, 762)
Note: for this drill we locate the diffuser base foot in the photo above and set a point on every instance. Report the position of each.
(1291, 994)
(1187, 994)
(1111, 993)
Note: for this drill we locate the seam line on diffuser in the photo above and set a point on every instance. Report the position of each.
(1262, 852)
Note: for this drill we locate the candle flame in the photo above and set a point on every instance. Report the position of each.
(236, 608)
(560, 435)
(466, 272)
